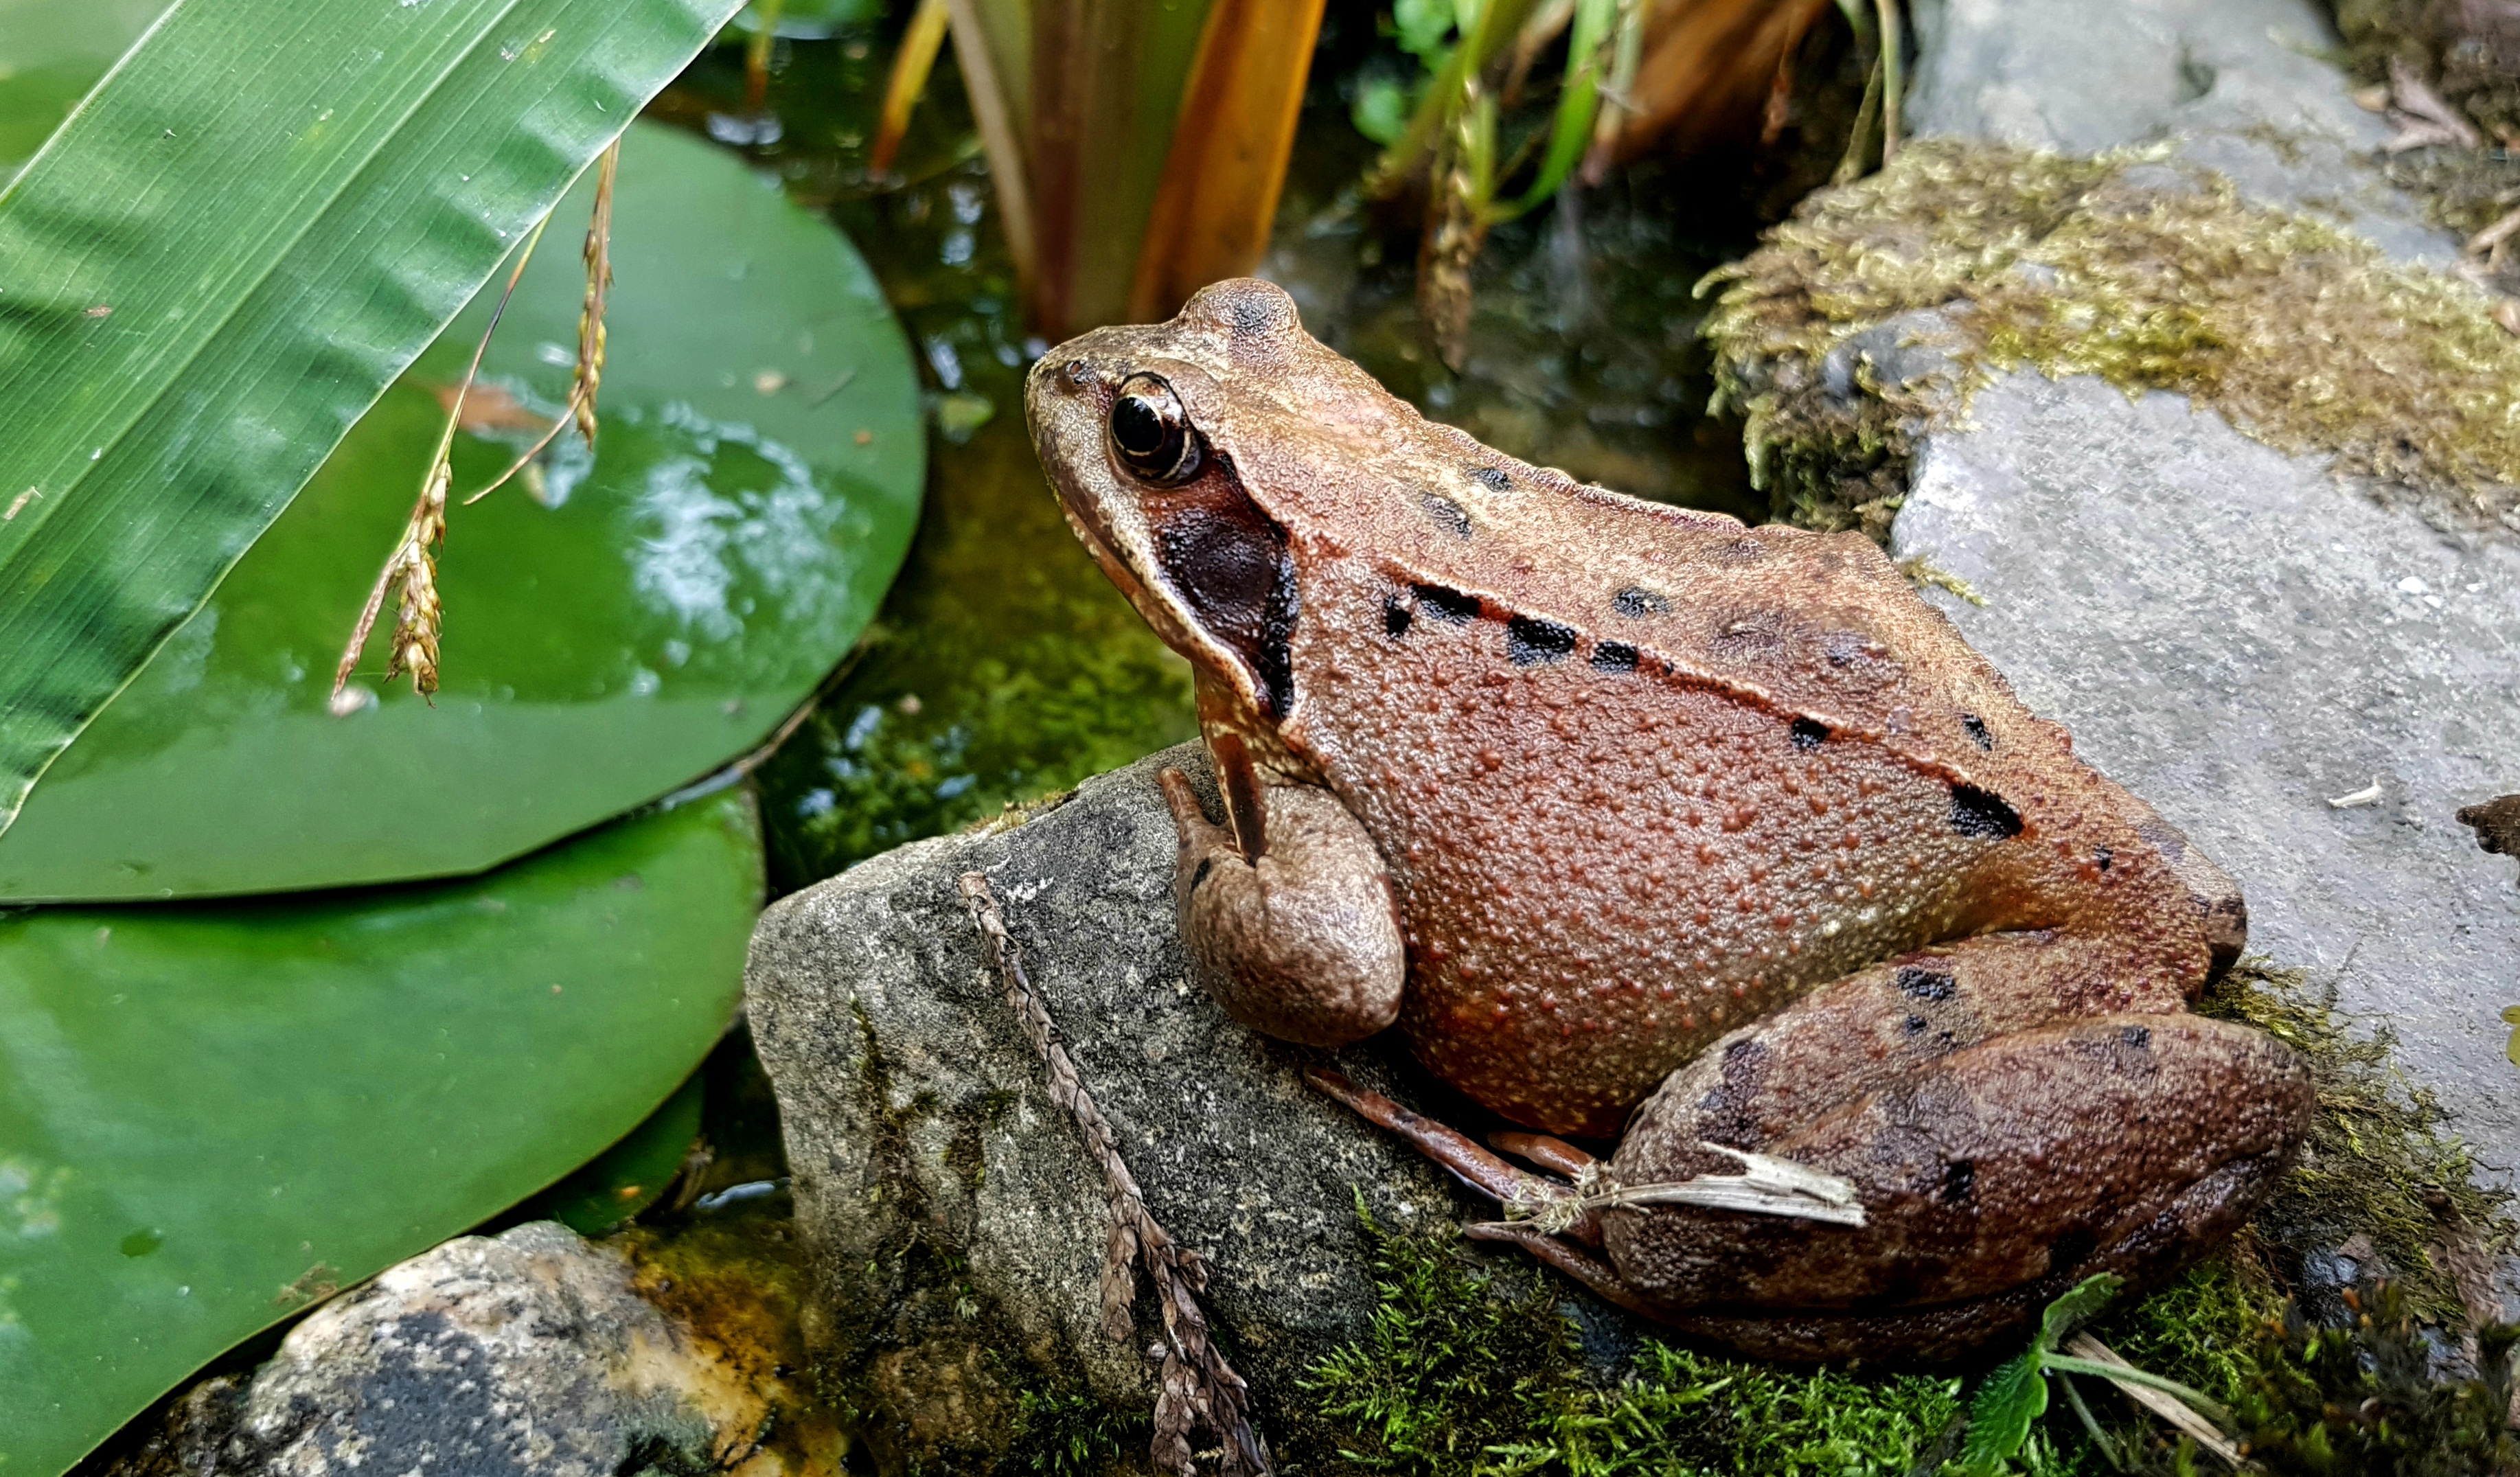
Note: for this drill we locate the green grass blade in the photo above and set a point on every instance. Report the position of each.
(221, 260)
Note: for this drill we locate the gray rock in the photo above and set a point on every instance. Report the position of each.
(2235, 85)
(2240, 639)
(528, 1353)
(956, 1223)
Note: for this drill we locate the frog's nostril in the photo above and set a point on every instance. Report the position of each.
(1075, 375)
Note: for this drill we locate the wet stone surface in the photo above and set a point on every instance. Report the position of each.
(956, 1224)
(2242, 641)
(532, 1352)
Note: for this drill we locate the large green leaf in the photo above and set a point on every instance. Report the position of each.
(212, 1114)
(721, 552)
(214, 267)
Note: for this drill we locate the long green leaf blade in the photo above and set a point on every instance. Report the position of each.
(221, 260)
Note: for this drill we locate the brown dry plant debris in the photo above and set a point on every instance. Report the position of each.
(1197, 1388)
(2150, 274)
(411, 571)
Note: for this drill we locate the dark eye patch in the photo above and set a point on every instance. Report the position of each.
(1396, 615)
(1529, 642)
(1230, 562)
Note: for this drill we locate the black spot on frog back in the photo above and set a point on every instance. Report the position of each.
(1982, 813)
(1635, 603)
(1448, 515)
(1614, 656)
(1529, 642)
(1452, 606)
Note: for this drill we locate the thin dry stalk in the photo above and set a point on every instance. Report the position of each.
(756, 55)
(412, 566)
(1196, 1388)
(588, 377)
(910, 64)
(2171, 1409)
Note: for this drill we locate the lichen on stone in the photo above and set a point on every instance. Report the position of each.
(2152, 274)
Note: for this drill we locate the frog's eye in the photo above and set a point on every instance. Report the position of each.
(1152, 433)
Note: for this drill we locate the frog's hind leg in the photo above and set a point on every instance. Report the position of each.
(1515, 1189)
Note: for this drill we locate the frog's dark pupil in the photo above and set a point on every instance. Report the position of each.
(1152, 433)
(1137, 426)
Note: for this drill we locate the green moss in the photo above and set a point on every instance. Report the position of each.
(2370, 1397)
(1076, 1436)
(2380, 1162)
(1471, 1367)
(2149, 274)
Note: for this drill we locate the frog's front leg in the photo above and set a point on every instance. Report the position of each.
(1289, 914)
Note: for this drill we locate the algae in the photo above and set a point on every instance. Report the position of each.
(2151, 274)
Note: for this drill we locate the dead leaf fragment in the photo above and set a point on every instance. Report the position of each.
(2496, 824)
(487, 408)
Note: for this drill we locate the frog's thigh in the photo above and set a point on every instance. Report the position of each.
(1873, 1027)
(2126, 1144)
(1302, 941)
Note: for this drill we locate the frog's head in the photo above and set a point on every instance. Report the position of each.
(1160, 439)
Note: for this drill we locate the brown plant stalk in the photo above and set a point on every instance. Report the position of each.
(411, 571)
(1196, 1388)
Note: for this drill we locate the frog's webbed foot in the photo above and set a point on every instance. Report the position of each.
(1510, 1187)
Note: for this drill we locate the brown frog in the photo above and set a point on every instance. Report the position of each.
(1641, 821)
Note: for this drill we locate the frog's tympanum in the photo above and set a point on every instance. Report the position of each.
(1639, 823)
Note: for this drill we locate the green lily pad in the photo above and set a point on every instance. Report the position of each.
(214, 1115)
(51, 53)
(632, 1175)
(652, 610)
